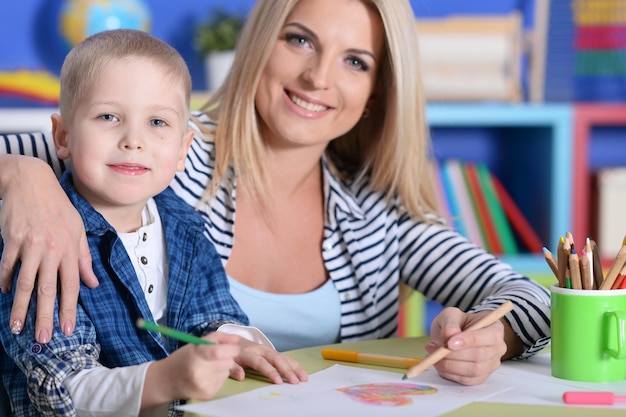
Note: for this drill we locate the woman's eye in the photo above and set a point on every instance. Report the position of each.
(108, 118)
(158, 123)
(297, 39)
(358, 64)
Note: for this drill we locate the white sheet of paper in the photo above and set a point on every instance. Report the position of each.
(319, 396)
(534, 384)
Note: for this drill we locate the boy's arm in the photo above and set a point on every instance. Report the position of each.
(92, 390)
(46, 366)
(68, 377)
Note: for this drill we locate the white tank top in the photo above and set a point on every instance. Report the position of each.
(292, 321)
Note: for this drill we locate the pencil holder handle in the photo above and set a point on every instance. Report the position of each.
(615, 330)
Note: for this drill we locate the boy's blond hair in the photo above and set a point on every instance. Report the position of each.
(83, 64)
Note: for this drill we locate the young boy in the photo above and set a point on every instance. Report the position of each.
(124, 109)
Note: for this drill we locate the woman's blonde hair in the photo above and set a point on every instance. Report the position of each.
(391, 145)
(84, 63)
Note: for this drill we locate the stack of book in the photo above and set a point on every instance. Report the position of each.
(600, 49)
(479, 207)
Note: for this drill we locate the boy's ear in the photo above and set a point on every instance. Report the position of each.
(184, 147)
(59, 134)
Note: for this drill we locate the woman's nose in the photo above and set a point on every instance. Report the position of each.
(319, 73)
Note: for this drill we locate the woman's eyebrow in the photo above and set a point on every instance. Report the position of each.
(314, 36)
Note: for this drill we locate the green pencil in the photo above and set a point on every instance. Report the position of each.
(174, 334)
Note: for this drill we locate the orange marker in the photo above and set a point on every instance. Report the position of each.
(369, 358)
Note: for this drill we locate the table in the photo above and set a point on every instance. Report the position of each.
(312, 361)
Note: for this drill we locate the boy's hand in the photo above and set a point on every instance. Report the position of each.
(191, 372)
(276, 366)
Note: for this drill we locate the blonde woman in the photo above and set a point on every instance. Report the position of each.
(310, 169)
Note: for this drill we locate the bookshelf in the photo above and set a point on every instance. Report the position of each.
(599, 131)
(528, 147)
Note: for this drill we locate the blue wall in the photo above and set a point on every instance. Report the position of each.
(29, 37)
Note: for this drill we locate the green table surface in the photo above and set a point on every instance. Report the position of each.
(311, 359)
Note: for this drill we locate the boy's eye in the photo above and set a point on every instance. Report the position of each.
(108, 118)
(158, 123)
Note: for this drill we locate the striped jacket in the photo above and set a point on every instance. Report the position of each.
(370, 245)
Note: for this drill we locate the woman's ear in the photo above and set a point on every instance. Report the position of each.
(59, 134)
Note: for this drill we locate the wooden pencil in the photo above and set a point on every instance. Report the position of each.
(585, 272)
(574, 269)
(443, 351)
(596, 269)
(588, 253)
(620, 279)
(617, 265)
(551, 262)
(562, 262)
(567, 250)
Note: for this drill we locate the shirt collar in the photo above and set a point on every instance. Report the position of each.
(338, 194)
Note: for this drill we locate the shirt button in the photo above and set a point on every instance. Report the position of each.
(328, 246)
(144, 260)
(144, 237)
(150, 289)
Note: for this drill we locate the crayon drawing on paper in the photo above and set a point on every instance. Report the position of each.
(387, 394)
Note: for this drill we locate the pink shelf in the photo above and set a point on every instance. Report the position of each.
(586, 117)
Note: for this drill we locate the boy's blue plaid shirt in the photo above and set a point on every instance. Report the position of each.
(198, 301)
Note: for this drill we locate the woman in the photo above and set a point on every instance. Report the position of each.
(320, 160)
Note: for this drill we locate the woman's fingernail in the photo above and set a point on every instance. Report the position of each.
(4, 290)
(68, 328)
(16, 327)
(455, 344)
(44, 336)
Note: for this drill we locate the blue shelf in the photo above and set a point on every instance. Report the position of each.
(529, 148)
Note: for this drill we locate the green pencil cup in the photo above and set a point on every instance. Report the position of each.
(588, 334)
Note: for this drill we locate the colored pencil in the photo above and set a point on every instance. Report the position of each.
(567, 250)
(585, 273)
(562, 262)
(588, 253)
(574, 269)
(174, 334)
(620, 281)
(618, 263)
(551, 262)
(443, 351)
(598, 274)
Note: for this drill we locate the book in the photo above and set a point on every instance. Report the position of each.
(453, 205)
(485, 219)
(611, 227)
(453, 169)
(503, 228)
(518, 221)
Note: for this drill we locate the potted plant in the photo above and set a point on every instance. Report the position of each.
(215, 39)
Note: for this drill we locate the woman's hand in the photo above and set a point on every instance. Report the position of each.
(475, 354)
(275, 366)
(42, 229)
